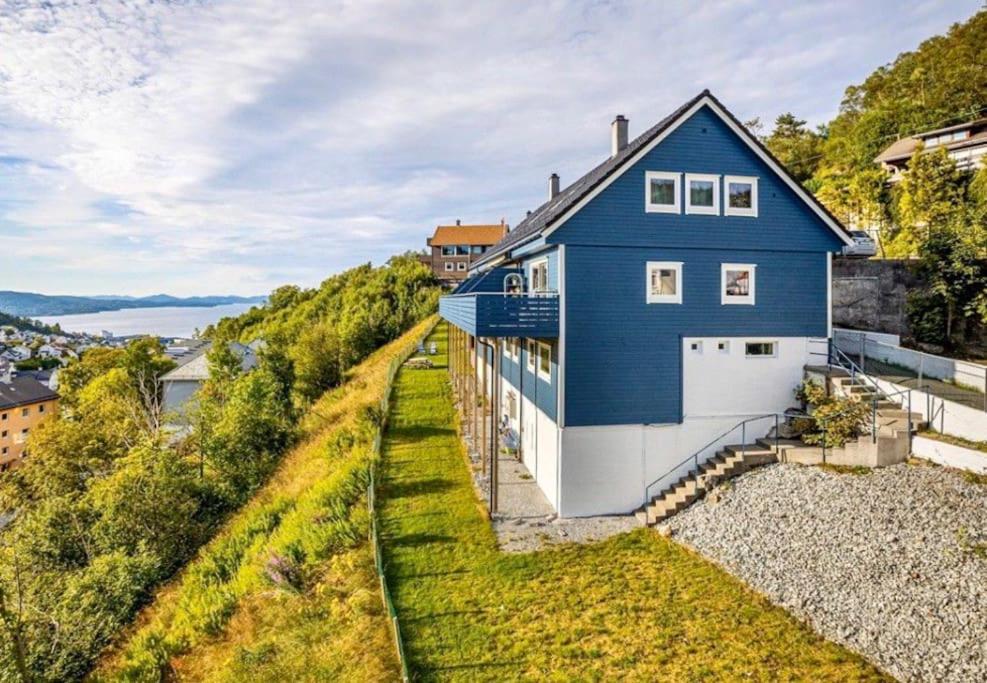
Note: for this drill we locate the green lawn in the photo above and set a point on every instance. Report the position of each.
(636, 607)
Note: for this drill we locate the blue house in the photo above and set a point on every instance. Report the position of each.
(675, 290)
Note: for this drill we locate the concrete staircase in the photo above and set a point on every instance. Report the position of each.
(730, 461)
(890, 445)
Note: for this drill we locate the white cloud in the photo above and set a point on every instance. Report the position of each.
(196, 147)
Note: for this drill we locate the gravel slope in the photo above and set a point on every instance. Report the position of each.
(883, 562)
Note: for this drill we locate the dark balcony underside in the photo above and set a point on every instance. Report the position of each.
(503, 315)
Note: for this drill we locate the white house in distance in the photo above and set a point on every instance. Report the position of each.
(181, 383)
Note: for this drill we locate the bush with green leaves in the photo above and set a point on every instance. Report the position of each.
(836, 419)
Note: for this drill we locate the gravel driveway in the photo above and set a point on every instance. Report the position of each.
(892, 563)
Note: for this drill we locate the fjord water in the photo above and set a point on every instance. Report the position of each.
(166, 321)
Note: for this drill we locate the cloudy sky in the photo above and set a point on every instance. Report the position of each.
(202, 147)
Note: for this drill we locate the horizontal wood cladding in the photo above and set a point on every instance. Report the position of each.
(623, 355)
(703, 144)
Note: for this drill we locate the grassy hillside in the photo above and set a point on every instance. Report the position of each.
(637, 607)
(287, 590)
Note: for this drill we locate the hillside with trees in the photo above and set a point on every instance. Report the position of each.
(110, 503)
(937, 214)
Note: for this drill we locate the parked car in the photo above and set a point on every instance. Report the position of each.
(863, 245)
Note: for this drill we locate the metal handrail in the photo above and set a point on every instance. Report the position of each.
(695, 456)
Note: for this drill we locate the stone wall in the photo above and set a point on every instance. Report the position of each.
(871, 295)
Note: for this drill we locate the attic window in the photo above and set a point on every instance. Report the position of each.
(702, 194)
(661, 192)
(741, 195)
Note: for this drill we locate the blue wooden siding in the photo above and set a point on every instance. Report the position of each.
(703, 144)
(537, 390)
(624, 356)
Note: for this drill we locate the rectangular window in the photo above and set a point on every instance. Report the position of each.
(696, 346)
(702, 194)
(723, 347)
(25, 412)
(760, 349)
(532, 354)
(4, 451)
(41, 408)
(461, 265)
(664, 282)
(3, 434)
(741, 195)
(476, 249)
(737, 283)
(538, 279)
(661, 192)
(544, 361)
(450, 265)
(512, 405)
(449, 250)
(512, 349)
(462, 250)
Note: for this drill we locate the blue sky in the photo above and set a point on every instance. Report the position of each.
(230, 147)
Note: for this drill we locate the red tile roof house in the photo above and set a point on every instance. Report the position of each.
(453, 248)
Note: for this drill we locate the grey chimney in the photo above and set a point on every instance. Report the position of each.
(618, 135)
(553, 186)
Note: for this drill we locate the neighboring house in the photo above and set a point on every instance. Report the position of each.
(965, 143)
(677, 288)
(24, 403)
(48, 351)
(17, 354)
(181, 383)
(453, 248)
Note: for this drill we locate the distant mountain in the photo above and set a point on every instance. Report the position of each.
(35, 305)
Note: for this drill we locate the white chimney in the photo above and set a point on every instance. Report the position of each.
(618, 135)
(553, 186)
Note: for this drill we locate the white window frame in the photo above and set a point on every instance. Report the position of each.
(450, 266)
(461, 266)
(450, 247)
(663, 298)
(547, 376)
(730, 211)
(531, 275)
(531, 346)
(512, 349)
(733, 300)
(774, 348)
(703, 210)
(675, 207)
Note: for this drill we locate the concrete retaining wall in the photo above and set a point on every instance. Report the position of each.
(950, 455)
(872, 295)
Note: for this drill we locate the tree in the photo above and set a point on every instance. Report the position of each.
(930, 198)
(796, 147)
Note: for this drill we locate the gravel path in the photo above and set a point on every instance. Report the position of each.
(892, 563)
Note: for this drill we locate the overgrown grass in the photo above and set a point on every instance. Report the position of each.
(955, 440)
(288, 589)
(636, 607)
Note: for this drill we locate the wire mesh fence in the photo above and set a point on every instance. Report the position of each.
(385, 401)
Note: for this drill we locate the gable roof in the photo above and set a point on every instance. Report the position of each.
(554, 212)
(21, 391)
(468, 234)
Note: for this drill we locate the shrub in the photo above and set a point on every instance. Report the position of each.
(836, 419)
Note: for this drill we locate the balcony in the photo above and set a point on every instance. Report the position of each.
(496, 314)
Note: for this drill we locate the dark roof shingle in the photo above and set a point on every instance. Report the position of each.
(24, 391)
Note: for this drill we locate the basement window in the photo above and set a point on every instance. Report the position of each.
(760, 349)
(723, 347)
(696, 346)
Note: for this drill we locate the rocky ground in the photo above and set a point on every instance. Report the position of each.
(891, 563)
